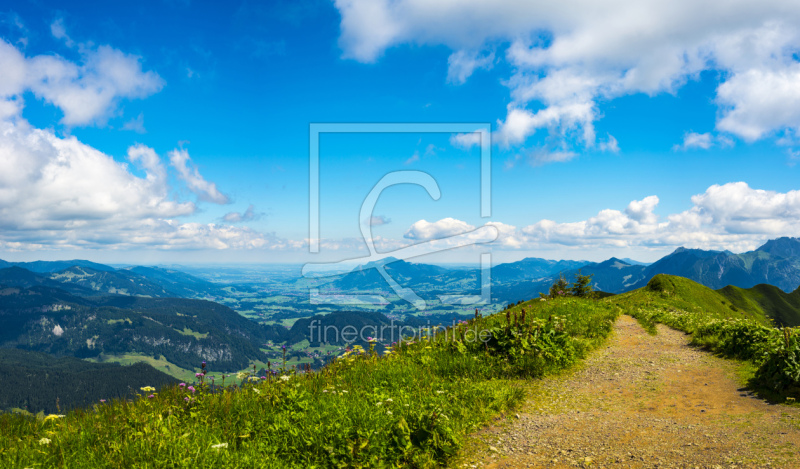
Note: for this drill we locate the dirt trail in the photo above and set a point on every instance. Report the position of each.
(643, 401)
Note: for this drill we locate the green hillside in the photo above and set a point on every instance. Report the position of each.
(766, 304)
(670, 293)
(35, 381)
(411, 407)
(769, 300)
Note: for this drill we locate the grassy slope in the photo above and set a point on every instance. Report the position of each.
(770, 300)
(671, 293)
(411, 408)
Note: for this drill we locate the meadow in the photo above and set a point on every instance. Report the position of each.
(410, 407)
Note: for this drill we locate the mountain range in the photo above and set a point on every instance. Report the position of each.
(776, 263)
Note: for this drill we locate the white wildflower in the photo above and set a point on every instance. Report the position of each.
(219, 446)
(285, 378)
(44, 441)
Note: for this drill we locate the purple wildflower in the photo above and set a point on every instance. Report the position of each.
(198, 375)
(191, 388)
(183, 385)
(151, 396)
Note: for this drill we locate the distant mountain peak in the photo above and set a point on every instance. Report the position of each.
(782, 247)
(614, 263)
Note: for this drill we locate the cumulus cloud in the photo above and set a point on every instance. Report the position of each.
(732, 216)
(188, 172)
(568, 57)
(694, 140)
(461, 65)
(59, 193)
(465, 141)
(236, 217)
(86, 93)
(425, 230)
(378, 220)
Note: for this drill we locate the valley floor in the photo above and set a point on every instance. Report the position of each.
(643, 401)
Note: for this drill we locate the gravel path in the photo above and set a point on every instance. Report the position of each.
(642, 401)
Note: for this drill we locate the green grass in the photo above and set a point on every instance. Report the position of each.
(410, 408)
(744, 332)
(189, 332)
(160, 364)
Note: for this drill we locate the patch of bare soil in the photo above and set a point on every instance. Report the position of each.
(643, 401)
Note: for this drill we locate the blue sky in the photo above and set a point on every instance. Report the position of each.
(177, 131)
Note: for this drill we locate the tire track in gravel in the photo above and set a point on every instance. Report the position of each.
(642, 401)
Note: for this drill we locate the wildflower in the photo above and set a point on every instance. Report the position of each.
(203, 364)
(102, 401)
(54, 416)
(186, 399)
(379, 403)
(191, 388)
(44, 441)
(256, 390)
(198, 375)
(148, 389)
(440, 392)
(241, 375)
(219, 446)
(324, 390)
(285, 378)
(183, 385)
(151, 396)
(263, 377)
(343, 391)
(389, 400)
(388, 412)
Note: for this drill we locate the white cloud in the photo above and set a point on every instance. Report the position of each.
(461, 65)
(87, 93)
(610, 145)
(425, 230)
(379, 220)
(694, 140)
(412, 159)
(465, 141)
(188, 172)
(235, 217)
(566, 57)
(58, 193)
(136, 124)
(58, 31)
(758, 102)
